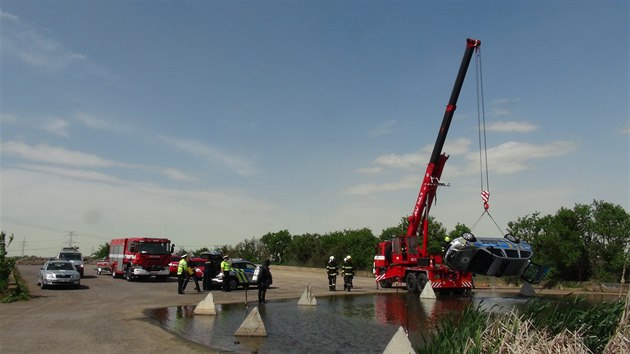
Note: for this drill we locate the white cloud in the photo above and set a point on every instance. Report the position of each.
(370, 170)
(371, 188)
(385, 128)
(511, 127)
(29, 45)
(94, 122)
(239, 165)
(7, 118)
(57, 126)
(499, 107)
(55, 155)
(404, 161)
(513, 156)
(60, 156)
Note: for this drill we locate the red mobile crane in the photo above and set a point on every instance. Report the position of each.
(401, 258)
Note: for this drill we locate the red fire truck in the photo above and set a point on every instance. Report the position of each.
(140, 257)
(402, 259)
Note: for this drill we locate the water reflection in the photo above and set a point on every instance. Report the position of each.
(338, 324)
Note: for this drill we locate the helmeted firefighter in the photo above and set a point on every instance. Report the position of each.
(331, 269)
(348, 273)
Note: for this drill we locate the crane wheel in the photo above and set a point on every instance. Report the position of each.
(412, 283)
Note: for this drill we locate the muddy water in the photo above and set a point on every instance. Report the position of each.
(341, 324)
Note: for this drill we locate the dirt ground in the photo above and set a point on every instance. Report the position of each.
(106, 314)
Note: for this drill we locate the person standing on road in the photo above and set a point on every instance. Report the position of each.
(208, 274)
(182, 274)
(192, 273)
(226, 267)
(348, 273)
(331, 269)
(264, 281)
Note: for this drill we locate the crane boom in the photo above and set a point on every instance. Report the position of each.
(438, 159)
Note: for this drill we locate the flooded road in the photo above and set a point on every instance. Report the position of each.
(357, 324)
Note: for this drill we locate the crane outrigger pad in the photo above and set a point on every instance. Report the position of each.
(489, 256)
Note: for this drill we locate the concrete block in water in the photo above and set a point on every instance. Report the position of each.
(427, 292)
(253, 326)
(206, 306)
(399, 344)
(527, 290)
(307, 297)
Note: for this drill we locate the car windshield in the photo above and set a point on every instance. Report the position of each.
(70, 256)
(154, 247)
(60, 266)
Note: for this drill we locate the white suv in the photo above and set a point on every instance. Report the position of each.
(73, 255)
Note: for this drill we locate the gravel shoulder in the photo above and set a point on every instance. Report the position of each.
(106, 314)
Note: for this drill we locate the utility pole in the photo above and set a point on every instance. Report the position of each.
(23, 245)
(70, 235)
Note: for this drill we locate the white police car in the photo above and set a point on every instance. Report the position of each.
(241, 275)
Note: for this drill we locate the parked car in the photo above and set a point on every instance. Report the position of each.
(242, 274)
(58, 272)
(73, 255)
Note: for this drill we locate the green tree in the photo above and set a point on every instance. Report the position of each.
(306, 250)
(391, 232)
(101, 252)
(6, 264)
(277, 243)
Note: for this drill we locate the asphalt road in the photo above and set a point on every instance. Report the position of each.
(106, 315)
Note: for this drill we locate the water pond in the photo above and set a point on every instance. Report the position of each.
(338, 324)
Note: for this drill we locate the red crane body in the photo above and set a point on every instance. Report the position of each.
(401, 259)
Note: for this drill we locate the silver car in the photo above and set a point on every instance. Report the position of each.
(58, 272)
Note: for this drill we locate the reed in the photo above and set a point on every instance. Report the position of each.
(542, 327)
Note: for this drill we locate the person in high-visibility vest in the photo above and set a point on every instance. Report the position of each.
(182, 273)
(226, 267)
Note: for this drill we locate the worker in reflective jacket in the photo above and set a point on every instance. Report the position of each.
(226, 267)
(348, 273)
(182, 273)
(331, 269)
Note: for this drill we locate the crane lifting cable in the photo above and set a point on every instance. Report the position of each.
(483, 144)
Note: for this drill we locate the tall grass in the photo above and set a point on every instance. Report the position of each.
(542, 327)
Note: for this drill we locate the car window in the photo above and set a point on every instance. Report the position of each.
(239, 265)
(250, 266)
(70, 256)
(60, 266)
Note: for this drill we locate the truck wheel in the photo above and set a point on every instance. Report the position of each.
(412, 283)
(385, 284)
(422, 281)
(129, 274)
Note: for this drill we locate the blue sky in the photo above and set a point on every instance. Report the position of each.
(210, 122)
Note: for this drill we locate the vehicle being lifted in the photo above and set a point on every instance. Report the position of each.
(494, 257)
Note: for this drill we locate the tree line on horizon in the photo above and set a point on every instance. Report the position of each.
(587, 242)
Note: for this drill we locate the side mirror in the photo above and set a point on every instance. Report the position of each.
(172, 248)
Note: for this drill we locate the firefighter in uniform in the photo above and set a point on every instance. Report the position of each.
(182, 273)
(348, 273)
(226, 267)
(331, 269)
